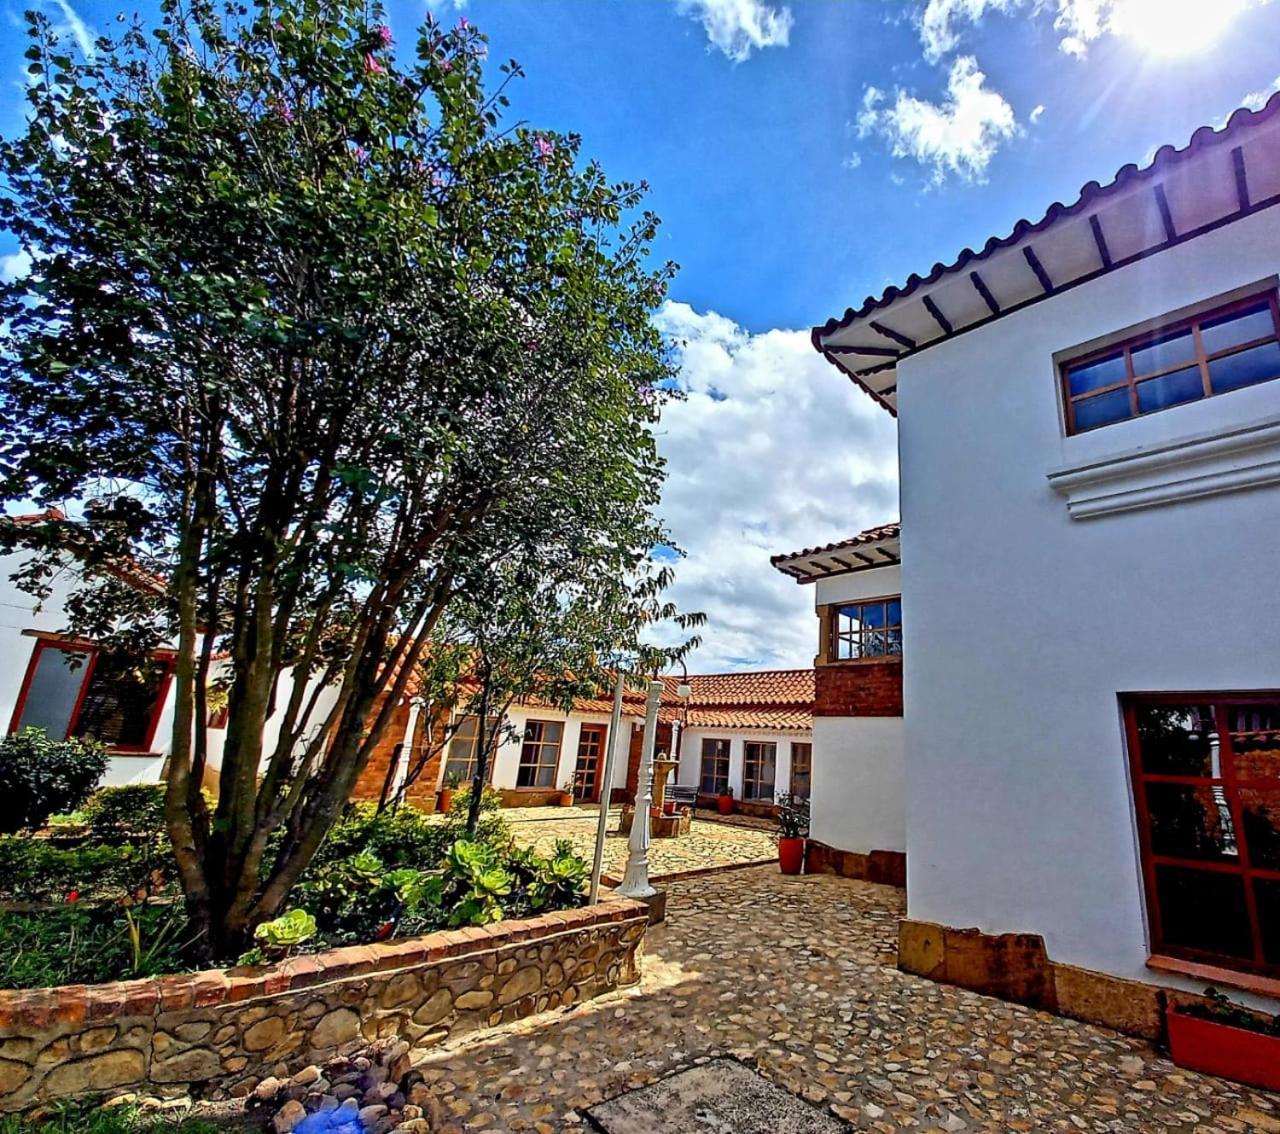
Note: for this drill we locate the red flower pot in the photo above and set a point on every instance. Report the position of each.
(668, 808)
(1225, 1050)
(445, 802)
(566, 799)
(725, 804)
(791, 855)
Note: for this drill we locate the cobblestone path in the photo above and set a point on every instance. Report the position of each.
(795, 976)
(707, 844)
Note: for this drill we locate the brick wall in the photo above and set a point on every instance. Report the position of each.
(858, 689)
(215, 1034)
(422, 792)
(633, 757)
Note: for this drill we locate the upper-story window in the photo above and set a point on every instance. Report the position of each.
(866, 629)
(1224, 349)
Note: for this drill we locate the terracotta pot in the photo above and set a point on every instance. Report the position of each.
(791, 855)
(445, 801)
(668, 808)
(566, 799)
(725, 804)
(1225, 1050)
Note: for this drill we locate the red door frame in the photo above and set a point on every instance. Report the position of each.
(603, 730)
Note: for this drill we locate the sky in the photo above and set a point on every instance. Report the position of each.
(803, 155)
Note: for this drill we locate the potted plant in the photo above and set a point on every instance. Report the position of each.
(1219, 1037)
(566, 793)
(793, 830)
(725, 801)
(451, 783)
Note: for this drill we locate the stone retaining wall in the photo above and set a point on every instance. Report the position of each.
(216, 1034)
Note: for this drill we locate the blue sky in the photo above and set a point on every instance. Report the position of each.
(804, 155)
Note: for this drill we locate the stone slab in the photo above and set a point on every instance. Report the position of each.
(718, 1097)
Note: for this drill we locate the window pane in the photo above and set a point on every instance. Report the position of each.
(1102, 410)
(1163, 353)
(546, 775)
(1104, 372)
(552, 731)
(894, 643)
(1236, 328)
(1203, 909)
(1260, 814)
(54, 689)
(873, 615)
(1171, 390)
(895, 613)
(1245, 367)
(1266, 892)
(1191, 822)
(1177, 740)
(122, 702)
(1255, 741)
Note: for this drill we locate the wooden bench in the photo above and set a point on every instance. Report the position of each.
(681, 796)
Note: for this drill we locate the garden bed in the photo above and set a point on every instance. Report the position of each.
(216, 1034)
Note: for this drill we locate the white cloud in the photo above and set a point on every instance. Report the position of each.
(959, 135)
(772, 451)
(1034, 116)
(852, 161)
(1256, 100)
(738, 27)
(71, 24)
(937, 31)
(14, 265)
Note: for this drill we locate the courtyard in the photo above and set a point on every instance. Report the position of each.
(796, 976)
(711, 844)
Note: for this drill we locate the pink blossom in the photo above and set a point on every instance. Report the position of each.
(463, 23)
(383, 34)
(373, 66)
(286, 113)
(542, 149)
(361, 153)
(446, 65)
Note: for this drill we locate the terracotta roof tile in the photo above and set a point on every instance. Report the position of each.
(871, 535)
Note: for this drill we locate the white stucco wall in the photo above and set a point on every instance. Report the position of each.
(1023, 625)
(506, 765)
(858, 783)
(690, 770)
(858, 764)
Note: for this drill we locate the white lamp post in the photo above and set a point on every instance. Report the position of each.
(635, 882)
(606, 791)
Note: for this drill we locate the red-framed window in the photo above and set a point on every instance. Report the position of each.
(1224, 349)
(73, 689)
(871, 628)
(715, 765)
(1206, 779)
(759, 758)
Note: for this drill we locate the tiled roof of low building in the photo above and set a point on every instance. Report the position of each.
(875, 547)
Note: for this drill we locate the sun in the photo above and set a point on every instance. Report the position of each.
(1174, 27)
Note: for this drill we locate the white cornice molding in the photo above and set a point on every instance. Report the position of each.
(1187, 468)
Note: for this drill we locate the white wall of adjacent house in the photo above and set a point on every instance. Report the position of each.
(689, 772)
(506, 767)
(859, 768)
(1023, 625)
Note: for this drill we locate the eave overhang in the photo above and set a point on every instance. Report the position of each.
(867, 551)
(1220, 176)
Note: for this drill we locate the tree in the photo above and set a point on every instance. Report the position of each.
(315, 339)
(554, 636)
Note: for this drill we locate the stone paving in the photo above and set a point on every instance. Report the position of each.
(795, 976)
(708, 843)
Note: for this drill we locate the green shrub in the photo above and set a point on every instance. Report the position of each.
(39, 777)
(547, 883)
(114, 813)
(80, 1117)
(77, 943)
(33, 870)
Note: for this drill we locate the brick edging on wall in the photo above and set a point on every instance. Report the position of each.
(887, 868)
(1016, 967)
(215, 1033)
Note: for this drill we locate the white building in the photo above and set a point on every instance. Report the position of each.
(858, 812)
(749, 731)
(1089, 438)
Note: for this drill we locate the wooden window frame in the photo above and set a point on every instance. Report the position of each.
(495, 730)
(1149, 335)
(75, 646)
(541, 745)
(791, 776)
(835, 637)
(721, 781)
(1243, 868)
(747, 761)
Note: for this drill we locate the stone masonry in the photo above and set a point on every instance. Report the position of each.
(217, 1034)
